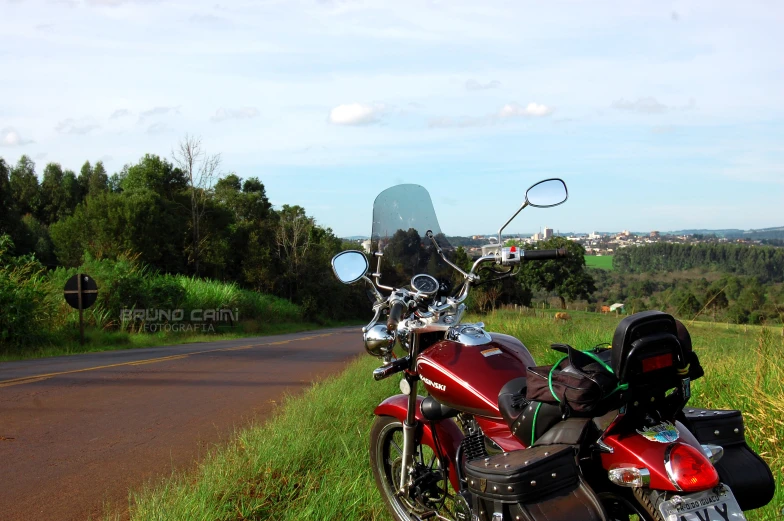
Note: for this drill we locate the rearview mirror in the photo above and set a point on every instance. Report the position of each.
(547, 193)
(349, 266)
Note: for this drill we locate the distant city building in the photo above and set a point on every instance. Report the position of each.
(366, 245)
(548, 233)
(655, 234)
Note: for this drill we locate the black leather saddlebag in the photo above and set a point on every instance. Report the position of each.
(740, 468)
(534, 484)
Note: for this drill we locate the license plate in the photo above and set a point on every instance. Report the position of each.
(712, 505)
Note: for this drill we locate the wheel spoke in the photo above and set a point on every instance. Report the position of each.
(397, 447)
(432, 461)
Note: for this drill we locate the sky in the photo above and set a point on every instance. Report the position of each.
(658, 115)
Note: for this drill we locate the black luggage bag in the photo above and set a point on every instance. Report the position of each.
(740, 468)
(534, 484)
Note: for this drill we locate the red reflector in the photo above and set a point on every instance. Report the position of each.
(656, 362)
(513, 249)
(690, 469)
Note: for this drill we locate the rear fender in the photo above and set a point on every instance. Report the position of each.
(446, 431)
(634, 450)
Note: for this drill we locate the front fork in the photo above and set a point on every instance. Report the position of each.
(409, 432)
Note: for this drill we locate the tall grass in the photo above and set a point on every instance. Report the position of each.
(311, 460)
(35, 318)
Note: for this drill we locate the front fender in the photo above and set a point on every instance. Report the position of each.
(446, 431)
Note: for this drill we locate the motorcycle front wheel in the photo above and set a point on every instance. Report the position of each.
(386, 457)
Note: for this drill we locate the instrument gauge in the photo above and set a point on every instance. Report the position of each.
(425, 284)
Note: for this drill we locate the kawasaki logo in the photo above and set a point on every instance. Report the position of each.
(431, 383)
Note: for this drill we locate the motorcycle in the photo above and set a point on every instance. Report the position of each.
(498, 438)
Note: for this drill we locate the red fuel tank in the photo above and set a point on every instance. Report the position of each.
(469, 377)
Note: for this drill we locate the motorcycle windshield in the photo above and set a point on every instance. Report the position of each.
(402, 216)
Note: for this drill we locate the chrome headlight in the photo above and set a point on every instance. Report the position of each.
(378, 341)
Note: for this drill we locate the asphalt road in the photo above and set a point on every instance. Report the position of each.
(77, 432)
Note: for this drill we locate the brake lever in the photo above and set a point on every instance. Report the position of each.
(378, 308)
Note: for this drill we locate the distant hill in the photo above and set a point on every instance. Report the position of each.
(730, 233)
(764, 233)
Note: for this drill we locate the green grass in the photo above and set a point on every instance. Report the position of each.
(310, 461)
(99, 340)
(603, 262)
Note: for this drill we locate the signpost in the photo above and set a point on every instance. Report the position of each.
(80, 293)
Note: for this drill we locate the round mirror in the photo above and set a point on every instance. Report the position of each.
(547, 193)
(349, 266)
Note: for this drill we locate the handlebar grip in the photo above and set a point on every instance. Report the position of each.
(394, 315)
(545, 254)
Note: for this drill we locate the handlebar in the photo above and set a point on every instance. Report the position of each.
(545, 254)
(394, 314)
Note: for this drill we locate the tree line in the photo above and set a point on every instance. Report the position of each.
(178, 216)
(766, 263)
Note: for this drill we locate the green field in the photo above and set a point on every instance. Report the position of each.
(311, 460)
(604, 262)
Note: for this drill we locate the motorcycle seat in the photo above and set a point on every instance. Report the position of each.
(527, 420)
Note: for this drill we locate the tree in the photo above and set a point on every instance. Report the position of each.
(92, 180)
(716, 299)
(199, 169)
(99, 180)
(568, 278)
(59, 193)
(9, 218)
(84, 178)
(153, 173)
(293, 240)
(687, 304)
(24, 186)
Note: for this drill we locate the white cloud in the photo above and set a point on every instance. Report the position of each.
(536, 110)
(158, 111)
(71, 126)
(119, 113)
(507, 112)
(11, 138)
(647, 105)
(356, 114)
(474, 85)
(158, 128)
(222, 114)
(463, 122)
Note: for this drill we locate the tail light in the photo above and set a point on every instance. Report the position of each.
(689, 469)
(656, 362)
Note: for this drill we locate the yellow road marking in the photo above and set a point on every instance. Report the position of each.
(39, 377)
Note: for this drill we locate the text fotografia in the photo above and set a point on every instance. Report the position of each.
(199, 320)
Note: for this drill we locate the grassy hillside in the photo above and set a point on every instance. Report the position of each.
(603, 262)
(311, 461)
(42, 324)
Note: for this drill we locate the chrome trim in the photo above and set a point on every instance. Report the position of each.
(668, 466)
(379, 296)
(469, 334)
(440, 252)
(603, 447)
(378, 341)
(713, 452)
(425, 293)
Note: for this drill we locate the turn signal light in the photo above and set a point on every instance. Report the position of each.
(689, 469)
(630, 477)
